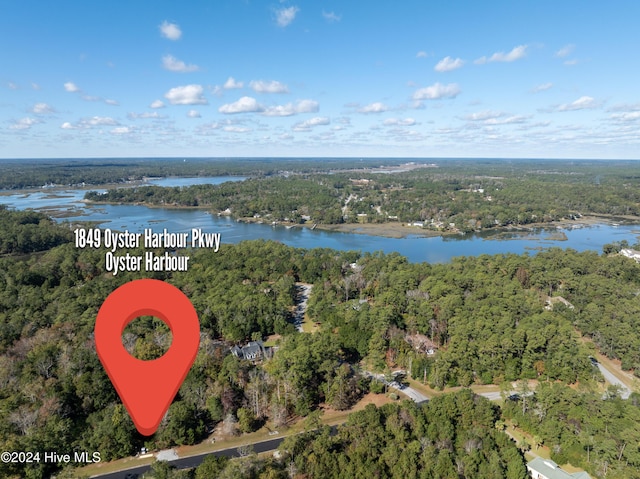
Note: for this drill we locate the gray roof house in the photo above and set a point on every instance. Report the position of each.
(253, 351)
(547, 469)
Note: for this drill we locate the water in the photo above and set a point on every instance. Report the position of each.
(136, 218)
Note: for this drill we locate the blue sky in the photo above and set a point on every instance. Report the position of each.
(542, 79)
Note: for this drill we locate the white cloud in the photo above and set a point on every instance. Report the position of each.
(35, 86)
(582, 103)
(121, 130)
(111, 102)
(331, 16)
(71, 87)
(42, 109)
(421, 54)
(399, 122)
(24, 123)
(171, 63)
(565, 51)
(156, 104)
(186, 95)
(571, 63)
(246, 104)
(231, 84)
(301, 106)
(625, 107)
(448, 64)
(541, 87)
(285, 16)
(145, 115)
(90, 98)
(273, 86)
(237, 129)
(307, 125)
(507, 121)
(194, 114)
(483, 115)
(12, 86)
(376, 107)
(87, 123)
(626, 117)
(170, 30)
(99, 121)
(516, 54)
(437, 91)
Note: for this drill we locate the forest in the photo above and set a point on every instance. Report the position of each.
(25, 173)
(485, 317)
(452, 197)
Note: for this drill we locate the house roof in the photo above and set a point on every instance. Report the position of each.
(551, 470)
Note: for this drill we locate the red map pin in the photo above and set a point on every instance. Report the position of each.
(147, 387)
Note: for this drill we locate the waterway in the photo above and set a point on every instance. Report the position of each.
(136, 218)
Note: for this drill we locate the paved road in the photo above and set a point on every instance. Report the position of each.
(193, 461)
(304, 290)
(625, 392)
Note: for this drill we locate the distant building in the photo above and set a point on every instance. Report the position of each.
(547, 469)
(253, 351)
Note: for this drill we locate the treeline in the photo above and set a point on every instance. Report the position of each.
(444, 198)
(29, 231)
(16, 174)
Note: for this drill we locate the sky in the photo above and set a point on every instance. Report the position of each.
(248, 78)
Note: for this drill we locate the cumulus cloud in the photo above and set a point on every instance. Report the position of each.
(565, 51)
(99, 121)
(121, 130)
(516, 54)
(307, 125)
(582, 103)
(399, 122)
(237, 129)
(87, 123)
(541, 87)
(483, 115)
(331, 16)
(246, 104)
(448, 64)
(231, 84)
(273, 86)
(421, 54)
(626, 116)
(146, 115)
(509, 120)
(171, 63)
(284, 16)
(24, 123)
(170, 30)
(376, 107)
(186, 95)
(193, 114)
(437, 91)
(157, 104)
(71, 87)
(42, 109)
(301, 106)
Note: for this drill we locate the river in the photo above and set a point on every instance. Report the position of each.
(136, 218)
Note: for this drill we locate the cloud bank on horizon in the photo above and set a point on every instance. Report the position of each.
(292, 78)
